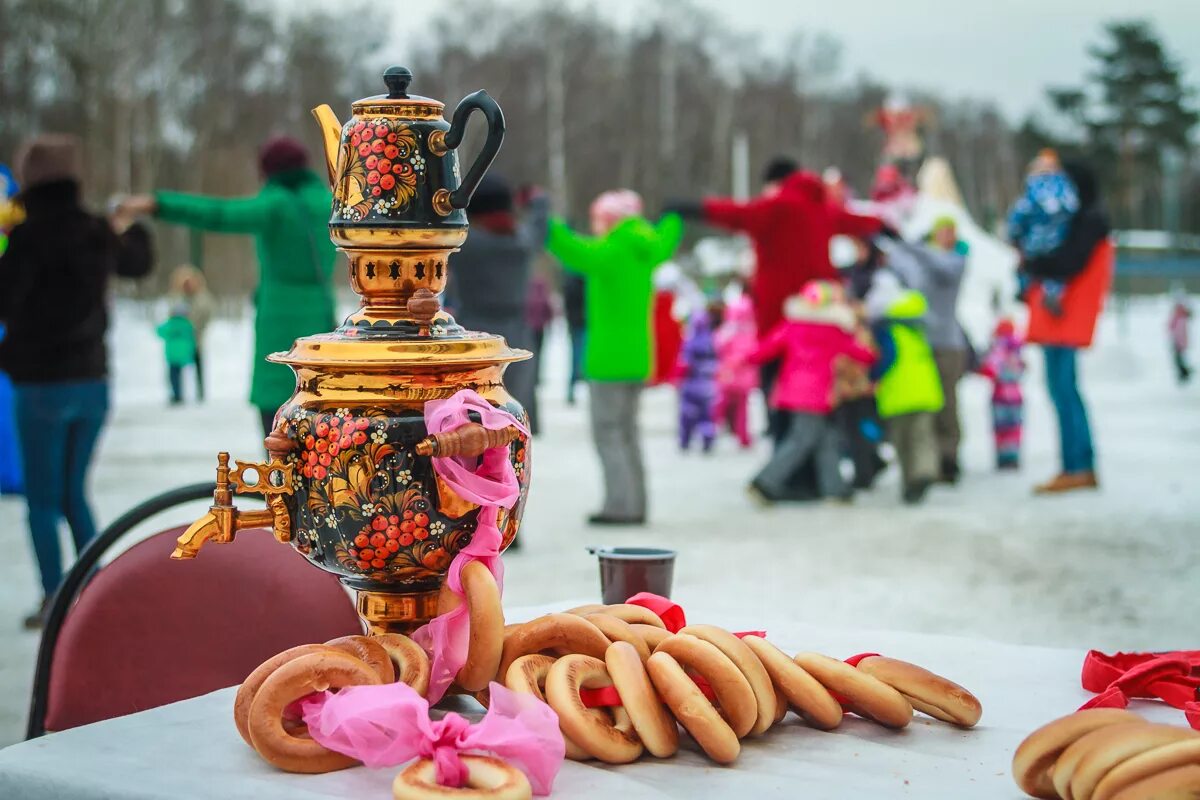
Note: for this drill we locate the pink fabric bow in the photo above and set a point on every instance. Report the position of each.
(491, 484)
(385, 726)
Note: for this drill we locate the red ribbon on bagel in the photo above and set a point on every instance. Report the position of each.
(1173, 677)
(674, 620)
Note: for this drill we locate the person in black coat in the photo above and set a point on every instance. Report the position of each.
(55, 275)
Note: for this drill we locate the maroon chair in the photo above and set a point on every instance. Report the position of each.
(147, 630)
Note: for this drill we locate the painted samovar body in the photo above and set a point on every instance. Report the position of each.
(350, 480)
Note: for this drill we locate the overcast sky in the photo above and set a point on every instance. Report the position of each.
(1004, 50)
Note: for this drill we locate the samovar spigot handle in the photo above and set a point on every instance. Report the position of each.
(470, 439)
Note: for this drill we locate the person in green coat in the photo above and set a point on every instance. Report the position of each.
(909, 390)
(288, 219)
(179, 346)
(617, 264)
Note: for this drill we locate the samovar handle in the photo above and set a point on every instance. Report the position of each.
(445, 202)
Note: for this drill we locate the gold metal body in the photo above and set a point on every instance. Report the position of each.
(397, 351)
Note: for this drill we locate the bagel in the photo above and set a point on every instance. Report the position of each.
(482, 597)
(250, 686)
(1036, 755)
(693, 710)
(735, 697)
(653, 723)
(528, 675)
(1081, 766)
(781, 705)
(408, 659)
(300, 677)
(610, 742)
(366, 649)
(487, 779)
(1180, 783)
(553, 631)
(1147, 764)
(650, 634)
(926, 691)
(802, 691)
(628, 612)
(750, 666)
(618, 630)
(866, 696)
(587, 608)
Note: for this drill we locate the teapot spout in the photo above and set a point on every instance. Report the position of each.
(331, 134)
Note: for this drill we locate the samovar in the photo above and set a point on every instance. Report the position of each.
(350, 481)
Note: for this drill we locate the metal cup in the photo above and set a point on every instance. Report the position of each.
(625, 571)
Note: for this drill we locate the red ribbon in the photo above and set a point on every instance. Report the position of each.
(1171, 677)
(674, 620)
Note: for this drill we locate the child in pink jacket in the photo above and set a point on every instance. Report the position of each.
(737, 375)
(817, 328)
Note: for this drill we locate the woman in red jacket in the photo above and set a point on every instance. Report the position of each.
(1084, 262)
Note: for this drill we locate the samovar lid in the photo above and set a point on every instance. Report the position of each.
(398, 102)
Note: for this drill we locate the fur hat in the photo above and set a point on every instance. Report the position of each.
(280, 154)
(48, 158)
(779, 168)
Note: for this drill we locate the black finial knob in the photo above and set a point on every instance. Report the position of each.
(397, 80)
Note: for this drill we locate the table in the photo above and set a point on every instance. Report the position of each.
(192, 750)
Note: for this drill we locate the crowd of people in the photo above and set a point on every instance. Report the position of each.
(846, 359)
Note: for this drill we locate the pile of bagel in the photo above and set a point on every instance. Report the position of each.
(658, 677)
(720, 688)
(1108, 754)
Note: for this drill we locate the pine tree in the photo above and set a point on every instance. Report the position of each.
(1133, 108)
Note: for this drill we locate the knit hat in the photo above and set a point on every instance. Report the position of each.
(613, 206)
(48, 158)
(823, 293)
(944, 221)
(280, 154)
(492, 194)
(822, 302)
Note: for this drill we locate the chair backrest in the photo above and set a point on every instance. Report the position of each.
(147, 631)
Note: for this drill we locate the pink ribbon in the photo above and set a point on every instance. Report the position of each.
(491, 484)
(388, 725)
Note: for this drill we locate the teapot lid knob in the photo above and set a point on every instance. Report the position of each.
(397, 80)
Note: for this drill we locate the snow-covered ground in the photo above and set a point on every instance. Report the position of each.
(1113, 569)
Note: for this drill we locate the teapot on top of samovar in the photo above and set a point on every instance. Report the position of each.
(398, 197)
(350, 481)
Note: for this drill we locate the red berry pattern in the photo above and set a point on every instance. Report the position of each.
(383, 169)
(364, 497)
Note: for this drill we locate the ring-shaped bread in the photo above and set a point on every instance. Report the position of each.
(298, 678)
(613, 742)
(487, 779)
(866, 696)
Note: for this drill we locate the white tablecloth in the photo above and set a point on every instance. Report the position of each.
(192, 750)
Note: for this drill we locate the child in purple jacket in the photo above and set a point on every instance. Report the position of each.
(698, 382)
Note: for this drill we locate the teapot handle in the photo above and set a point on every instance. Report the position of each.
(481, 101)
